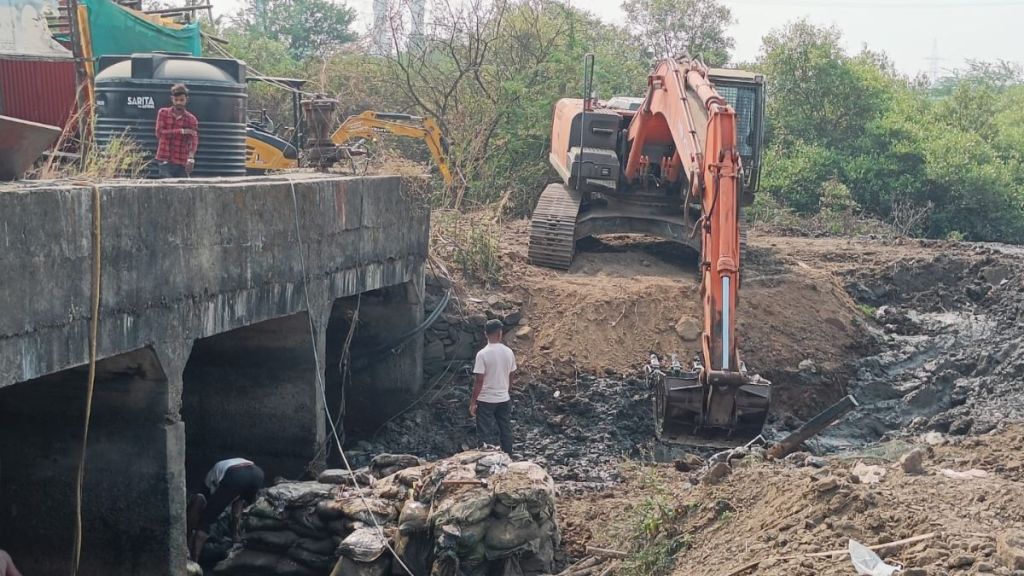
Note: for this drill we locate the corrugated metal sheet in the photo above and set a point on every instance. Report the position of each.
(38, 90)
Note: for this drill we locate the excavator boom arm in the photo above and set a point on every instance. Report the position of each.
(369, 124)
(685, 114)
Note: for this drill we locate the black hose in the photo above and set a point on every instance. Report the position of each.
(404, 338)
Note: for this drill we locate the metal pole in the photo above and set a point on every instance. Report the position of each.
(588, 79)
(297, 120)
(80, 75)
(812, 427)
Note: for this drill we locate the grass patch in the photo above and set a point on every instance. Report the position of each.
(656, 534)
(867, 310)
(469, 244)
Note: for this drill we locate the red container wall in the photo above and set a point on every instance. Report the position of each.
(37, 90)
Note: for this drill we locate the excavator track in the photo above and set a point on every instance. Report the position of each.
(553, 227)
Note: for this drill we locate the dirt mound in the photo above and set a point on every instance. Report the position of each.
(783, 515)
(626, 297)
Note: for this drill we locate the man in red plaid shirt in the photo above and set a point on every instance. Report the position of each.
(177, 134)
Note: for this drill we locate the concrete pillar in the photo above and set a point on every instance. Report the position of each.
(252, 393)
(385, 380)
(130, 488)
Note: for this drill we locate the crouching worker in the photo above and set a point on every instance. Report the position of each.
(234, 483)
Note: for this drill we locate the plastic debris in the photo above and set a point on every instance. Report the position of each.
(867, 563)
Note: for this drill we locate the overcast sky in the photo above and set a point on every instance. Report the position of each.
(910, 31)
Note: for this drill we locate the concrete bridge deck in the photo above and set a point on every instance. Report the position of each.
(205, 346)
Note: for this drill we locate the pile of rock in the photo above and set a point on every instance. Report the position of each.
(469, 514)
(457, 335)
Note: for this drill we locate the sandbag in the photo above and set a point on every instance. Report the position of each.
(364, 545)
(414, 549)
(413, 517)
(297, 494)
(278, 541)
(263, 508)
(256, 524)
(348, 567)
(493, 463)
(536, 555)
(323, 546)
(408, 477)
(511, 532)
(339, 527)
(465, 506)
(319, 562)
(306, 522)
(248, 563)
(360, 477)
(526, 483)
(473, 561)
(432, 484)
(471, 456)
(469, 537)
(362, 509)
(500, 510)
(512, 567)
(387, 464)
(289, 567)
(390, 488)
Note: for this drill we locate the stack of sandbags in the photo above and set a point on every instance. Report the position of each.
(283, 534)
(462, 515)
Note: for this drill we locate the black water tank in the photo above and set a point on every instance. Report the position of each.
(131, 89)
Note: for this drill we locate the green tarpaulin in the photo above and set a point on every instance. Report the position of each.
(117, 32)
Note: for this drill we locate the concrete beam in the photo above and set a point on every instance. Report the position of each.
(190, 259)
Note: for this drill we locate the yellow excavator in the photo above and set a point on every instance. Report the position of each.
(266, 151)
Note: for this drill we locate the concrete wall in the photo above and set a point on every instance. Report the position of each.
(133, 480)
(252, 393)
(382, 379)
(204, 280)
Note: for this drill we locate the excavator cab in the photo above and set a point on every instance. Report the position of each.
(590, 147)
(744, 91)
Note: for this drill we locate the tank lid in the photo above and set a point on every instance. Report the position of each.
(171, 67)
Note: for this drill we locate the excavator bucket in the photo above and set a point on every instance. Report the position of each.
(723, 414)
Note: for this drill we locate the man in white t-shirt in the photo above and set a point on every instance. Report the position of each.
(491, 403)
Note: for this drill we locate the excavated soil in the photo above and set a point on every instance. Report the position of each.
(928, 336)
(777, 513)
(626, 297)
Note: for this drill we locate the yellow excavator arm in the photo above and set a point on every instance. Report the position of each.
(369, 124)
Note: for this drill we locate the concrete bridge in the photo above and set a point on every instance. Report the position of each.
(205, 346)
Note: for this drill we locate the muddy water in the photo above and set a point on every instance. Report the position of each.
(579, 430)
(952, 353)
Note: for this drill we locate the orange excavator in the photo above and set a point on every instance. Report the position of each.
(678, 164)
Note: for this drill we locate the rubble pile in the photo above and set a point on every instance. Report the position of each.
(469, 514)
(578, 431)
(454, 338)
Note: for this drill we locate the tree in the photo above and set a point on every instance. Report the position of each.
(489, 72)
(816, 91)
(306, 27)
(671, 28)
(996, 76)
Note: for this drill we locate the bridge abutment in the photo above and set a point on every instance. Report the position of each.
(204, 346)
